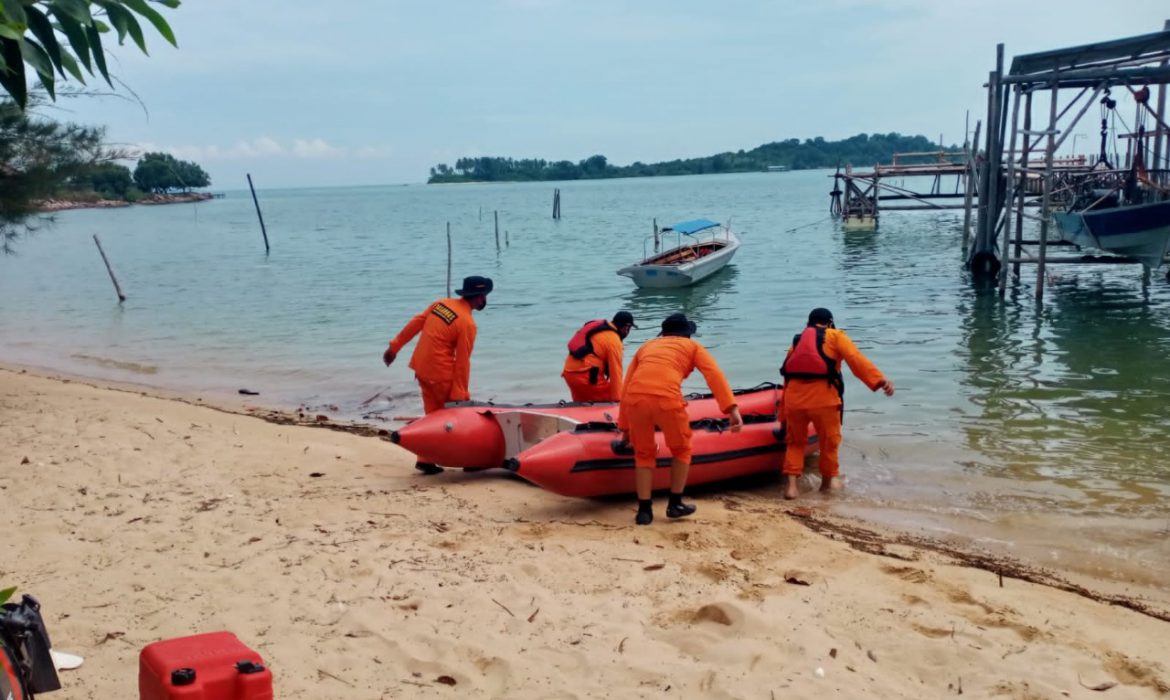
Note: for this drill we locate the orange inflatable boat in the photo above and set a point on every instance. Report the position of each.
(473, 435)
(591, 460)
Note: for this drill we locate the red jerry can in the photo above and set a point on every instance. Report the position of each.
(212, 666)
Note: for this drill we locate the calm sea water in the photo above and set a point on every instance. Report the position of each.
(1038, 428)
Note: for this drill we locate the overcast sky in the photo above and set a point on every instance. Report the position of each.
(377, 91)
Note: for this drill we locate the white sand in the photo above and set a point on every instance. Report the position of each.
(139, 518)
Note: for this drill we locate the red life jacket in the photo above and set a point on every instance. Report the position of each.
(808, 359)
(581, 346)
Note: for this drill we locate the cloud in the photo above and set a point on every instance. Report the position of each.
(261, 147)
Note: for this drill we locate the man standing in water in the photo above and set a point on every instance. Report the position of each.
(442, 358)
(593, 369)
(653, 397)
(813, 390)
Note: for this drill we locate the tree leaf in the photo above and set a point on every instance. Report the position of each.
(6, 594)
(7, 32)
(38, 59)
(75, 32)
(154, 17)
(119, 17)
(35, 56)
(13, 11)
(77, 9)
(70, 65)
(13, 78)
(95, 47)
(42, 29)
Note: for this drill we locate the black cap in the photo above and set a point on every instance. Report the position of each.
(623, 318)
(677, 324)
(819, 316)
(474, 286)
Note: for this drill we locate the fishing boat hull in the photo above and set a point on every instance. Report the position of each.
(1141, 231)
(592, 462)
(675, 268)
(478, 436)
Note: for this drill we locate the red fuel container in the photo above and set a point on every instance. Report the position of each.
(213, 666)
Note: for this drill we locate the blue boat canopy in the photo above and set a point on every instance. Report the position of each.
(693, 226)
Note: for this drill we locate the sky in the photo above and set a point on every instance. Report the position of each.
(371, 92)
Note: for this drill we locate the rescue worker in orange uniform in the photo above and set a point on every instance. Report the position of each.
(593, 369)
(653, 397)
(442, 358)
(813, 390)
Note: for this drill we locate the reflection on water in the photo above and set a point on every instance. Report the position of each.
(700, 302)
(1075, 394)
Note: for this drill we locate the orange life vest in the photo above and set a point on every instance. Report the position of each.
(808, 359)
(581, 345)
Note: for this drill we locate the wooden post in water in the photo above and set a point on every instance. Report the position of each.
(258, 214)
(506, 243)
(497, 215)
(1046, 207)
(1024, 158)
(557, 203)
(972, 178)
(1015, 179)
(655, 221)
(448, 259)
(117, 287)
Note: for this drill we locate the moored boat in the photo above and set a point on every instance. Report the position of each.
(707, 248)
(592, 461)
(474, 435)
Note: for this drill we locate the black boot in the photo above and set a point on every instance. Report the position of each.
(427, 468)
(645, 514)
(677, 509)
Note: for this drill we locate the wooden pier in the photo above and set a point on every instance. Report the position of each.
(1001, 182)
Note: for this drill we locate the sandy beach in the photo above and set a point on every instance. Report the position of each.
(135, 518)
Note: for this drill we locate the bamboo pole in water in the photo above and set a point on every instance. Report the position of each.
(258, 214)
(448, 258)
(497, 216)
(1046, 210)
(117, 287)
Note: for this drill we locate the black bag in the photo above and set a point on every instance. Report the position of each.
(26, 643)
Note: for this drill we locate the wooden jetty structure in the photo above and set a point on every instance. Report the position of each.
(1020, 168)
(860, 203)
(1014, 174)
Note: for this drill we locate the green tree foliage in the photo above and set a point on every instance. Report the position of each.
(107, 180)
(162, 172)
(56, 37)
(860, 150)
(37, 159)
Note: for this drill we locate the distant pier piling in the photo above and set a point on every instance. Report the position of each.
(117, 287)
(496, 214)
(448, 259)
(259, 215)
(557, 203)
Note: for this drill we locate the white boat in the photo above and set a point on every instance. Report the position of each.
(703, 248)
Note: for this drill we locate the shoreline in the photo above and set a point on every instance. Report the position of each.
(150, 517)
(54, 205)
(864, 534)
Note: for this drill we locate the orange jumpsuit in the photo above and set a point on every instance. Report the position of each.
(653, 396)
(604, 364)
(817, 401)
(442, 358)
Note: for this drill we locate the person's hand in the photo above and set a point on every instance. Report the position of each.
(736, 420)
(389, 356)
(887, 386)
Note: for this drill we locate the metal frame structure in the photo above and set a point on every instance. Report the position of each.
(1009, 174)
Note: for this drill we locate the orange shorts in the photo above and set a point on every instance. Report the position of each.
(642, 414)
(434, 394)
(583, 391)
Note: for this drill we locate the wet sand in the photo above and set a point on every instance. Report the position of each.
(136, 518)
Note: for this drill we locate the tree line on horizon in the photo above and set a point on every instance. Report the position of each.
(791, 154)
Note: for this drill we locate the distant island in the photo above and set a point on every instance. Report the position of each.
(778, 156)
